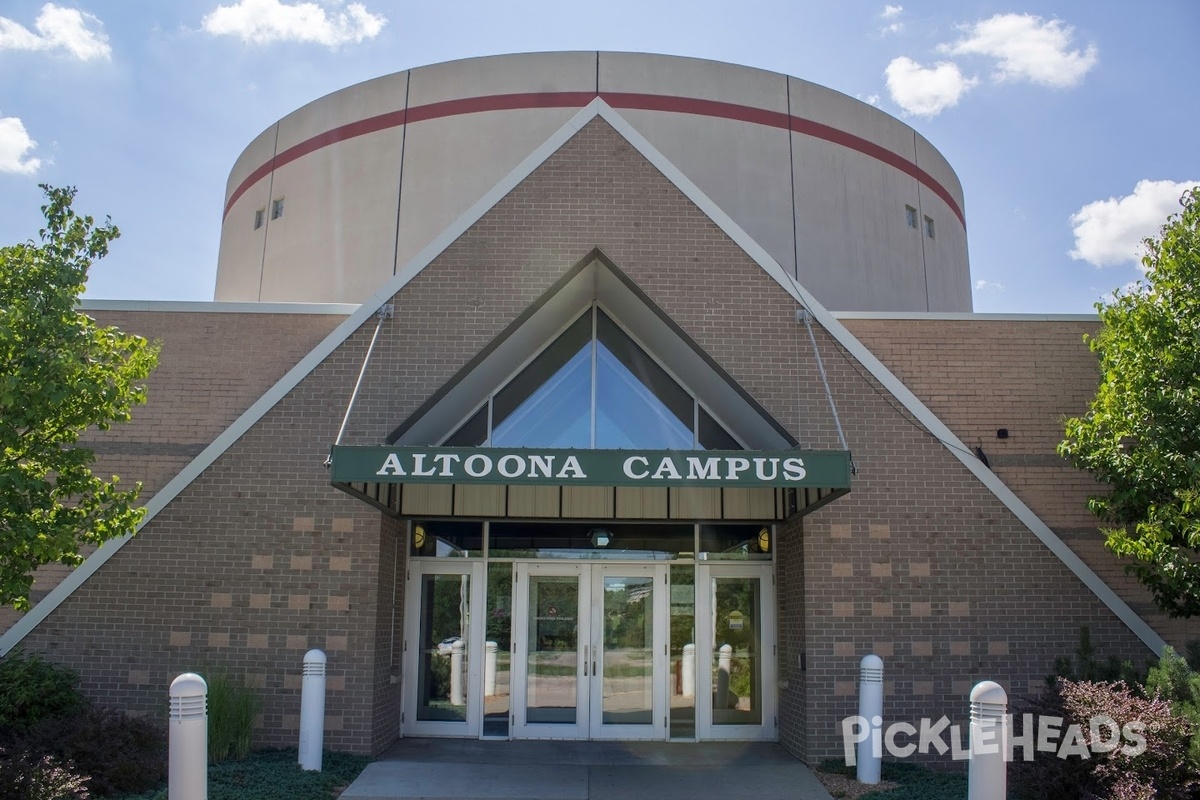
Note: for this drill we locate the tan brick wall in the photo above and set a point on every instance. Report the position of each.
(1027, 376)
(961, 572)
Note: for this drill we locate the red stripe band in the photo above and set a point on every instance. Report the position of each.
(618, 100)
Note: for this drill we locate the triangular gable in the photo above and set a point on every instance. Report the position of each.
(597, 108)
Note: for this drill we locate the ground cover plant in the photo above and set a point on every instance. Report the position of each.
(274, 775)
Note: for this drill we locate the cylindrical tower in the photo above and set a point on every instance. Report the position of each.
(327, 203)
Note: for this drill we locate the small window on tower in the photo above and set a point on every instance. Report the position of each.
(259, 215)
(277, 208)
(910, 214)
(929, 227)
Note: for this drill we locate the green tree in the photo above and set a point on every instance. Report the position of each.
(1141, 435)
(60, 374)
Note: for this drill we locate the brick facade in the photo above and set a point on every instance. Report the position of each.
(259, 559)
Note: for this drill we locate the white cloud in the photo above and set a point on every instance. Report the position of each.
(1110, 232)
(1027, 48)
(77, 32)
(15, 144)
(265, 21)
(870, 99)
(988, 286)
(892, 11)
(926, 91)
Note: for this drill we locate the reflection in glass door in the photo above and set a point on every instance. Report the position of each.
(737, 652)
(549, 651)
(439, 655)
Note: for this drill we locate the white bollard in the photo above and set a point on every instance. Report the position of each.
(688, 679)
(870, 708)
(987, 775)
(187, 768)
(456, 673)
(489, 668)
(724, 667)
(312, 711)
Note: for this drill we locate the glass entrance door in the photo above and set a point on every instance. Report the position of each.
(589, 658)
(735, 652)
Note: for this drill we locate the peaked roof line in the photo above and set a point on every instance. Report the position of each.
(596, 108)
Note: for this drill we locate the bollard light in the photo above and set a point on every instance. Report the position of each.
(456, 673)
(187, 756)
(987, 777)
(489, 668)
(688, 679)
(312, 711)
(870, 708)
(724, 668)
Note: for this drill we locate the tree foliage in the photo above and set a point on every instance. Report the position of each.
(1141, 435)
(60, 374)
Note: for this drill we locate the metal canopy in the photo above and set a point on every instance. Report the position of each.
(524, 483)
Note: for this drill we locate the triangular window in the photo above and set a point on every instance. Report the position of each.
(593, 387)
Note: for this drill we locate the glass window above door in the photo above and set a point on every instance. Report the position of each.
(593, 387)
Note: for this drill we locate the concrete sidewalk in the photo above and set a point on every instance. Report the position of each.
(464, 769)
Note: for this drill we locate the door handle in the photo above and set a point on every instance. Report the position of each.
(585, 660)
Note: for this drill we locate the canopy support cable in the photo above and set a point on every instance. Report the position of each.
(384, 313)
(802, 315)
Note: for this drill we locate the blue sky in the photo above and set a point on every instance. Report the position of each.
(1072, 125)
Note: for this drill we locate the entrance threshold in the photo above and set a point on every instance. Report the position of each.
(441, 769)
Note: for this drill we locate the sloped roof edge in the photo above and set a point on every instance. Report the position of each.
(596, 108)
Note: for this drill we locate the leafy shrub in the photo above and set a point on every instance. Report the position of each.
(25, 775)
(232, 707)
(1176, 682)
(121, 753)
(1086, 665)
(1161, 771)
(32, 690)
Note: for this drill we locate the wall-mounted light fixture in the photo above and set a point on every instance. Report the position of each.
(601, 537)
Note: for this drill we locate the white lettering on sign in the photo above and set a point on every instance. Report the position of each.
(391, 466)
(628, 467)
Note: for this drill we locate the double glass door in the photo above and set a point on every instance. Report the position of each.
(589, 645)
(589, 650)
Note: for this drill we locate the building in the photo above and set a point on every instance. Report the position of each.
(522, 398)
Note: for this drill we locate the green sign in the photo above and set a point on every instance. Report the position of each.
(498, 465)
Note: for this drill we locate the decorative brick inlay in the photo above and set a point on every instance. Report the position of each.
(922, 649)
(333, 723)
(918, 569)
(961, 689)
(304, 524)
(180, 638)
(881, 609)
(256, 680)
(336, 683)
(301, 563)
(260, 600)
(883, 649)
(139, 677)
(843, 609)
(997, 648)
(293, 680)
(262, 561)
(844, 648)
(880, 530)
(960, 648)
(343, 524)
(921, 608)
(298, 602)
(922, 688)
(339, 563)
(843, 688)
(291, 722)
(297, 641)
(338, 602)
(842, 569)
(960, 609)
(222, 600)
(839, 530)
(881, 569)
(337, 642)
(218, 638)
(257, 641)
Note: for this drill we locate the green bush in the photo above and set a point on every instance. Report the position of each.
(1179, 684)
(232, 707)
(25, 775)
(32, 690)
(1085, 665)
(119, 752)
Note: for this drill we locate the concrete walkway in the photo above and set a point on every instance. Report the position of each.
(464, 769)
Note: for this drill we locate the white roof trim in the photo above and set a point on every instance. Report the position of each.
(364, 313)
(965, 316)
(218, 307)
